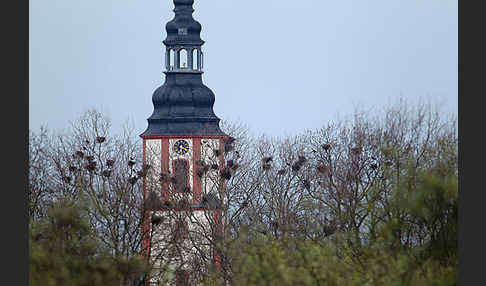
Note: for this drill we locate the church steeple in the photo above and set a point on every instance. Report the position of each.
(183, 105)
(184, 149)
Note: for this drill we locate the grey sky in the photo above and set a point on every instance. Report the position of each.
(280, 66)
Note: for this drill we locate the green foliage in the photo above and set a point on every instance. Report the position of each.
(267, 262)
(64, 251)
(434, 207)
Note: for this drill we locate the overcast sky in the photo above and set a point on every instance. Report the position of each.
(279, 66)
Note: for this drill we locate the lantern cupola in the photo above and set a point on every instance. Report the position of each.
(183, 42)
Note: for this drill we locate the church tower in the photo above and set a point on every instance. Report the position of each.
(183, 155)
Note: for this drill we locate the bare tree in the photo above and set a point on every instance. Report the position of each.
(341, 183)
(91, 165)
(39, 173)
(343, 180)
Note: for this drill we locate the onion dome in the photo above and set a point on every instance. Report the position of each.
(183, 29)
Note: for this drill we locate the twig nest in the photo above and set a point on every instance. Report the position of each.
(110, 162)
(107, 173)
(91, 166)
(299, 163)
(323, 169)
(326, 147)
(225, 174)
(100, 139)
(267, 160)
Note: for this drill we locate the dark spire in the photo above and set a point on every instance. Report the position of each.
(183, 105)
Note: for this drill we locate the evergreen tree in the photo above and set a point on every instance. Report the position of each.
(64, 251)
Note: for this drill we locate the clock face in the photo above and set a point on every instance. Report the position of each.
(181, 147)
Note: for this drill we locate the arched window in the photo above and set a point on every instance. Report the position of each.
(183, 59)
(202, 61)
(195, 60)
(167, 59)
(180, 182)
(172, 59)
